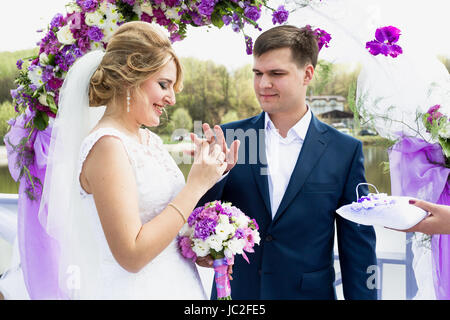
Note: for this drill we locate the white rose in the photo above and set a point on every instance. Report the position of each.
(112, 15)
(94, 18)
(172, 13)
(242, 221)
(108, 31)
(444, 132)
(223, 230)
(236, 246)
(137, 9)
(35, 75)
(72, 7)
(147, 8)
(97, 46)
(201, 248)
(215, 243)
(43, 99)
(223, 219)
(65, 36)
(43, 59)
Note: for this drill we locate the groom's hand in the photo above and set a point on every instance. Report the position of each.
(231, 154)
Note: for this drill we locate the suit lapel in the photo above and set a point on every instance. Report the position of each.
(260, 168)
(313, 147)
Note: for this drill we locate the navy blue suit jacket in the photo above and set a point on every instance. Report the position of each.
(295, 258)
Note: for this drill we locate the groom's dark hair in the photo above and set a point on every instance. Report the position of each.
(301, 41)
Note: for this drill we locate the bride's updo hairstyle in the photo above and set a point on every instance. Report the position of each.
(134, 53)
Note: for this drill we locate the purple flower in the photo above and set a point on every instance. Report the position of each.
(239, 234)
(206, 7)
(208, 213)
(186, 248)
(194, 215)
(226, 20)
(55, 83)
(145, 17)
(253, 13)
(388, 34)
(88, 5)
(386, 38)
(196, 18)
(161, 18)
(323, 38)
(434, 114)
(130, 2)
(204, 228)
(57, 21)
(47, 73)
(249, 45)
(95, 34)
(172, 3)
(280, 15)
(235, 27)
(14, 93)
(175, 37)
(19, 64)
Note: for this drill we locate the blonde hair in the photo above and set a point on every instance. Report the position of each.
(136, 51)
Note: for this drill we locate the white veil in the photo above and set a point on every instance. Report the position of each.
(391, 92)
(61, 212)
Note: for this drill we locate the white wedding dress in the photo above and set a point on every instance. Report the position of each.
(159, 180)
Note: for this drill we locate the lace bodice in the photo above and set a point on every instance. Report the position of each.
(158, 178)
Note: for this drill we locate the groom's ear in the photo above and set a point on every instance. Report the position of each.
(308, 75)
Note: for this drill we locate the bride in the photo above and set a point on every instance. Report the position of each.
(113, 198)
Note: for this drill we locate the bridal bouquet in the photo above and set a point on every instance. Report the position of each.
(221, 231)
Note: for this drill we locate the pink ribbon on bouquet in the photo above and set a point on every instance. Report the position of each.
(221, 278)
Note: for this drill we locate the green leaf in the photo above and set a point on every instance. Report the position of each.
(216, 19)
(51, 59)
(445, 144)
(51, 103)
(217, 255)
(41, 120)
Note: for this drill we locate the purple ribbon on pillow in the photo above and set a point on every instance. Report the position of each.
(417, 170)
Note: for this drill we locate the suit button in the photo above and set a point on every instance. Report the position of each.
(269, 238)
(260, 272)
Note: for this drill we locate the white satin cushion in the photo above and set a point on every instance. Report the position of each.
(390, 211)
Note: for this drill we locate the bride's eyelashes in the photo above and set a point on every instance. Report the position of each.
(163, 85)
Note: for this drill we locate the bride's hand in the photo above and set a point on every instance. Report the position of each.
(230, 153)
(209, 165)
(207, 262)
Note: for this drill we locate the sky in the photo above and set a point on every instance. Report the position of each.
(425, 26)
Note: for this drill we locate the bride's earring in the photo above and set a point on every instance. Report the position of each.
(128, 101)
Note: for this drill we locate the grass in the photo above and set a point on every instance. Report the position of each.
(6, 112)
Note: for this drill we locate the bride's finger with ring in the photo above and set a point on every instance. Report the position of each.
(221, 158)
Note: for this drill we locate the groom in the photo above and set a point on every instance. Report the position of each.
(292, 174)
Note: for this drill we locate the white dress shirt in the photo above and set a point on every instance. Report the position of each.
(282, 154)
